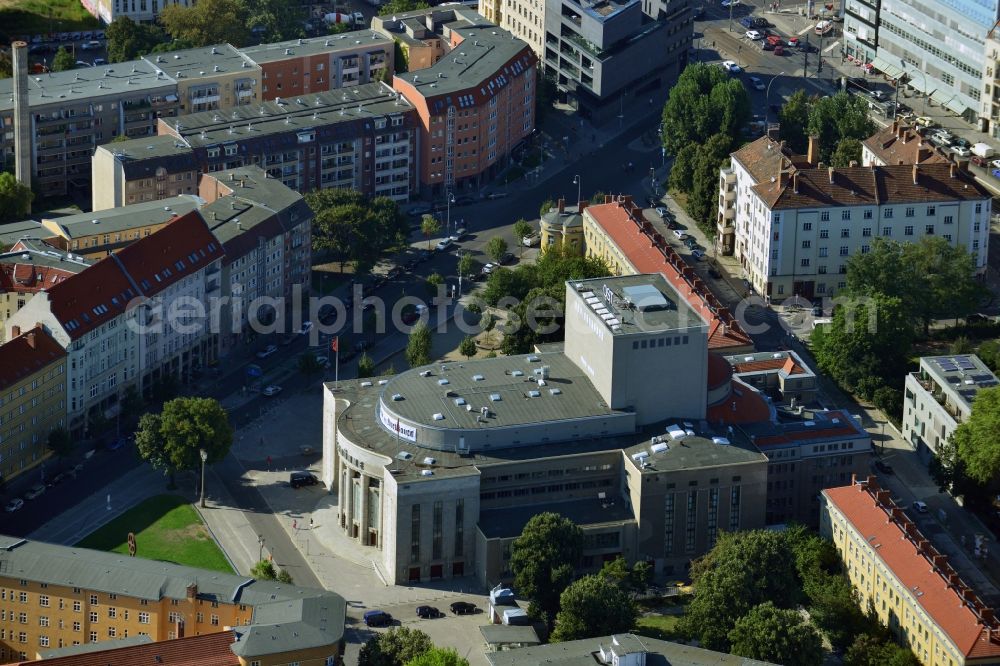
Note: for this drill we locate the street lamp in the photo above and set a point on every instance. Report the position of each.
(204, 459)
(579, 183)
(767, 99)
(260, 542)
(451, 200)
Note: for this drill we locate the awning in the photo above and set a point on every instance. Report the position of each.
(887, 68)
(956, 106)
(942, 97)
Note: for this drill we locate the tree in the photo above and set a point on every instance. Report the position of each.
(439, 657)
(354, 228)
(207, 22)
(487, 322)
(848, 150)
(632, 580)
(682, 170)
(274, 20)
(742, 570)
(976, 438)
(418, 347)
(874, 650)
(868, 339)
(593, 606)
(546, 207)
(468, 347)
(776, 635)
(496, 248)
(6, 65)
(127, 40)
(172, 439)
(285, 577)
(429, 226)
(434, 282)
(839, 117)
(366, 366)
(467, 265)
(705, 101)
(264, 570)
(544, 558)
(131, 402)
(989, 353)
(401, 7)
(60, 442)
(890, 401)
(15, 198)
(522, 229)
(702, 197)
(62, 60)
(396, 647)
(794, 118)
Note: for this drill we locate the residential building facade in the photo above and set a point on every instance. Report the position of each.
(899, 144)
(795, 227)
(939, 397)
(59, 597)
(525, 19)
(906, 581)
(137, 10)
(210, 78)
(32, 399)
(131, 172)
(989, 112)
(474, 105)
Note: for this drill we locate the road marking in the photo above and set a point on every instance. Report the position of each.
(831, 46)
(807, 29)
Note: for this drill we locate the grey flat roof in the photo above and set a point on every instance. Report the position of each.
(292, 114)
(256, 199)
(581, 653)
(698, 452)
(508, 522)
(15, 231)
(206, 61)
(961, 376)
(346, 41)
(641, 303)
(148, 147)
(43, 254)
(117, 80)
(97, 646)
(288, 616)
(503, 633)
(494, 383)
(131, 216)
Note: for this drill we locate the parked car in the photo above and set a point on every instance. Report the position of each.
(100, 62)
(996, 173)
(531, 240)
(507, 258)
(14, 505)
(698, 255)
(919, 506)
(979, 161)
(82, 63)
(463, 608)
(92, 45)
(680, 234)
(358, 19)
(271, 390)
(444, 244)
(753, 35)
(488, 268)
(377, 618)
(767, 46)
(299, 479)
(35, 491)
(428, 612)
(961, 151)
(731, 67)
(459, 234)
(663, 213)
(882, 467)
(757, 84)
(267, 351)
(57, 479)
(747, 22)
(779, 50)
(926, 121)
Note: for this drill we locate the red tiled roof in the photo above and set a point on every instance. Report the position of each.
(743, 405)
(23, 276)
(84, 301)
(943, 603)
(900, 144)
(788, 365)
(203, 650)
(621, 223)
(26, 354)
(719, 371)
(183, 246)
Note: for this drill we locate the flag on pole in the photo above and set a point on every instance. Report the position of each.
(334, 343)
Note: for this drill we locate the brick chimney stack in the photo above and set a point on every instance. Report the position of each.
(812, 156)
(562, 205)
(916, 170)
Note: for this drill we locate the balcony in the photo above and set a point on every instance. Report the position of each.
(244, 93)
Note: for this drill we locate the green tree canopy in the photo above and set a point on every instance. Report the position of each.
(839, 117)
(704, 102)
(467, 265)
(868, 338)
(127, 40)
(366, 366)
(776, 635)
(496, 247)
(632, 580)
(439, 657)
(703, 196)
(467, 348)
(207, 22)
(62, 60)
(878, 650)
(275, 20)
(400, 7)
(593, 606)
(848, 150)
(544, 558)
(418, 347)
(522, 228)
(352, 227)
(978, 438)
(15, 198)
(264, 570)
(794, 118)
(429, 226)
(396, 647)
(172, 439)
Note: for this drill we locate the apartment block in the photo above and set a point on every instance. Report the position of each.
(475, 104)
(989, 111)
(363, 138)
(607, 56)
(911, 586)
(793, 223)
(158, 167)
(939, 398)
(28, 267)
(73, 112)
(32, 399)
(57, 597)
(525, 19)
(421, 37)
(137, 10)
(320, 64)
(210, 78)
(112, 339)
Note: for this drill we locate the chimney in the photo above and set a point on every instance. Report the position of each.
(852, 163)
(582, 206)
(916, 167)
(30, 339)
(795, 182)
(904, 134)
(192, 591)
(813, 155)
(562, 205)
(773, 131)
(963, 165)
(900, 131)
(15, 331)
(895, 127)
(952, 170)
(23, 145)
(830, 172)
(782, 178)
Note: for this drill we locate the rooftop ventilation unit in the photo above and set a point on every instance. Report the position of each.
(443, 382)
(532, 359)
(425, 373)
(554, 391)
(659, 447)
(495, 397)
(534, 394)
(396, 397)
(383, 382)
(517, 373)
(477, 378)
(459, 401)
(430, 461)
(439, 416)
(721, 441)
(640, 456)
(366, 384)
(404, 455)
(426, 472)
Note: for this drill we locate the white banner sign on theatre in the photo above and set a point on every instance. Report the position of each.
(402, 430)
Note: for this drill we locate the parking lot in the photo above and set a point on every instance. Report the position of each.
(87, 48)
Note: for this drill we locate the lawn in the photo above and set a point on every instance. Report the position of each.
(166, 528)
(663, 627)
(30, 17)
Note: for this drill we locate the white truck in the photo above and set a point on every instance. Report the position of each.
(983, 150)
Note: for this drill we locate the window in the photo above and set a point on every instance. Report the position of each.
(822, 252)
(214, 620)
(949, 219)
(886, 231)
(907, 231)
(459, 527)
(887, 213)
(804, 263)
(930, 211)
(76, 626)
(143, 617)
(807, 226)
(415, 533)
(867, 214)
(76, 606)
(909, 211)
(979, 208)
(845, 233)
(806, 244)
(865, 249)
(93, 617)
(866, 232)
(843, 250)
(929, 229)
(43, 601)
(845, 214)
(824, 216)
(824, 233)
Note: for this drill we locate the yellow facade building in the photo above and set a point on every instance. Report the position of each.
(563, 227)
(56, 597)
(910, 585)
(32, 399)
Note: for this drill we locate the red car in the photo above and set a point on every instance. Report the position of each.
(979, 161)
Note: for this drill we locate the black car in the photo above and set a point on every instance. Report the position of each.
(882, 467)
(805, 47)
(463, 608)
(427, 612)
(299, 479)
